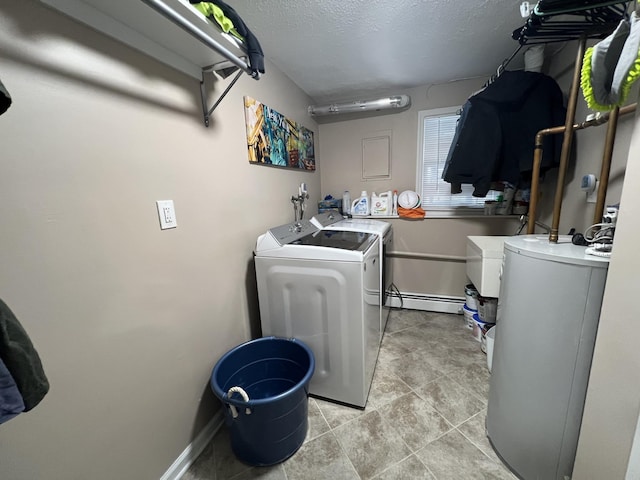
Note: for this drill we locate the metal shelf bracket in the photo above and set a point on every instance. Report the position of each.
(222, 69)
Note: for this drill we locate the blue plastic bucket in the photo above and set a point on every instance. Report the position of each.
(480, 328)
(275, 374)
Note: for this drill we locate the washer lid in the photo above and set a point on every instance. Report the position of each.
(325, 245)
(346, 240)
(362, 225)
(367, 225)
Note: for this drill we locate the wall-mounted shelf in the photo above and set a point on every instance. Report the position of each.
(171, 31)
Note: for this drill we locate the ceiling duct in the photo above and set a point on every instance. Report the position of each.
(386, 103)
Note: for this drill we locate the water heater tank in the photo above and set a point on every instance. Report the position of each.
(548, 312)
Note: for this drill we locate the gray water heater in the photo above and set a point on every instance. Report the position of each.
(548, 313)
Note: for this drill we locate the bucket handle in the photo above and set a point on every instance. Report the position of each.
(245, 397)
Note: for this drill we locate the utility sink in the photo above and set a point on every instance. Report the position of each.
(484, 259)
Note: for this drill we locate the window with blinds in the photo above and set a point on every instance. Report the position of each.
(435, 134)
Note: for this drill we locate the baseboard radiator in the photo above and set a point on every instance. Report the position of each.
(426, 302)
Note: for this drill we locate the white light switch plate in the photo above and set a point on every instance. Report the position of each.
(167, 214)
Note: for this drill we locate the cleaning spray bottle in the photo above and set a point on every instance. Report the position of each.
(360, 206)
(346, 203)
(395, 203)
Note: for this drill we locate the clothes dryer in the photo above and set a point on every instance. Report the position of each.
(322, 287)
(384, 231)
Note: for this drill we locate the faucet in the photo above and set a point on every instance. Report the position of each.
(298, 202)
(524, 220)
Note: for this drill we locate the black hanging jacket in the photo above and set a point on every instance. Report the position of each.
(21, 359)
(495, 136)
(5, 99)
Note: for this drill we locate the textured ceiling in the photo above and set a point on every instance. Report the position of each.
(339, 50)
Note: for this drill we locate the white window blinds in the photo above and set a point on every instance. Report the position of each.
(435, 135)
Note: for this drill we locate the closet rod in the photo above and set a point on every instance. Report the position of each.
(195, 32)
(537, 159)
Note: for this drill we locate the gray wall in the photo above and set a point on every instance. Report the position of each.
(609, 424)
(129, 320)
(613, 397)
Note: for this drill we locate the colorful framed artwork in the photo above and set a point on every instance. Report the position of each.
(273, 139)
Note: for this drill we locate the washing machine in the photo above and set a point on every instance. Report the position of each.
(384, 231)
(323, 287)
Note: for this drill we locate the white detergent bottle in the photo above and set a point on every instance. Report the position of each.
(381, 204)
(360, 206)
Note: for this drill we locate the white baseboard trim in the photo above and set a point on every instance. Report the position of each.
(195, 448)
(426, 302)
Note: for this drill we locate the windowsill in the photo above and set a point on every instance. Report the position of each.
(439, 215)
(435, 214)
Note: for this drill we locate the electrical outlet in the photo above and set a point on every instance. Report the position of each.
(593, 196)
(167, 214)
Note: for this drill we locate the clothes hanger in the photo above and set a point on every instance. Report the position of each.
(500, 70)
(577, 7)
(595, 19)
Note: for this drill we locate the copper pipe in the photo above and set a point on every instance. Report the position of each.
(535, 174)
(537, 157)
(566, 142)
(606, 164)
(535, 184)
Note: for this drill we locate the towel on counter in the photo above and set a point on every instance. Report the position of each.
(11, 403)
(21, 359)
(416, 212)
(5, 99)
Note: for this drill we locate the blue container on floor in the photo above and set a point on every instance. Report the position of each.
(274, 373)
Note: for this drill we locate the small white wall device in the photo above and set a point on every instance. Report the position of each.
(525, 9)
(589, 185)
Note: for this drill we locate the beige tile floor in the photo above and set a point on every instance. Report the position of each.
(424, 418)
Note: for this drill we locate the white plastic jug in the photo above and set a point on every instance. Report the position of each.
(346, 203)
(360, 206)
(381, 204)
